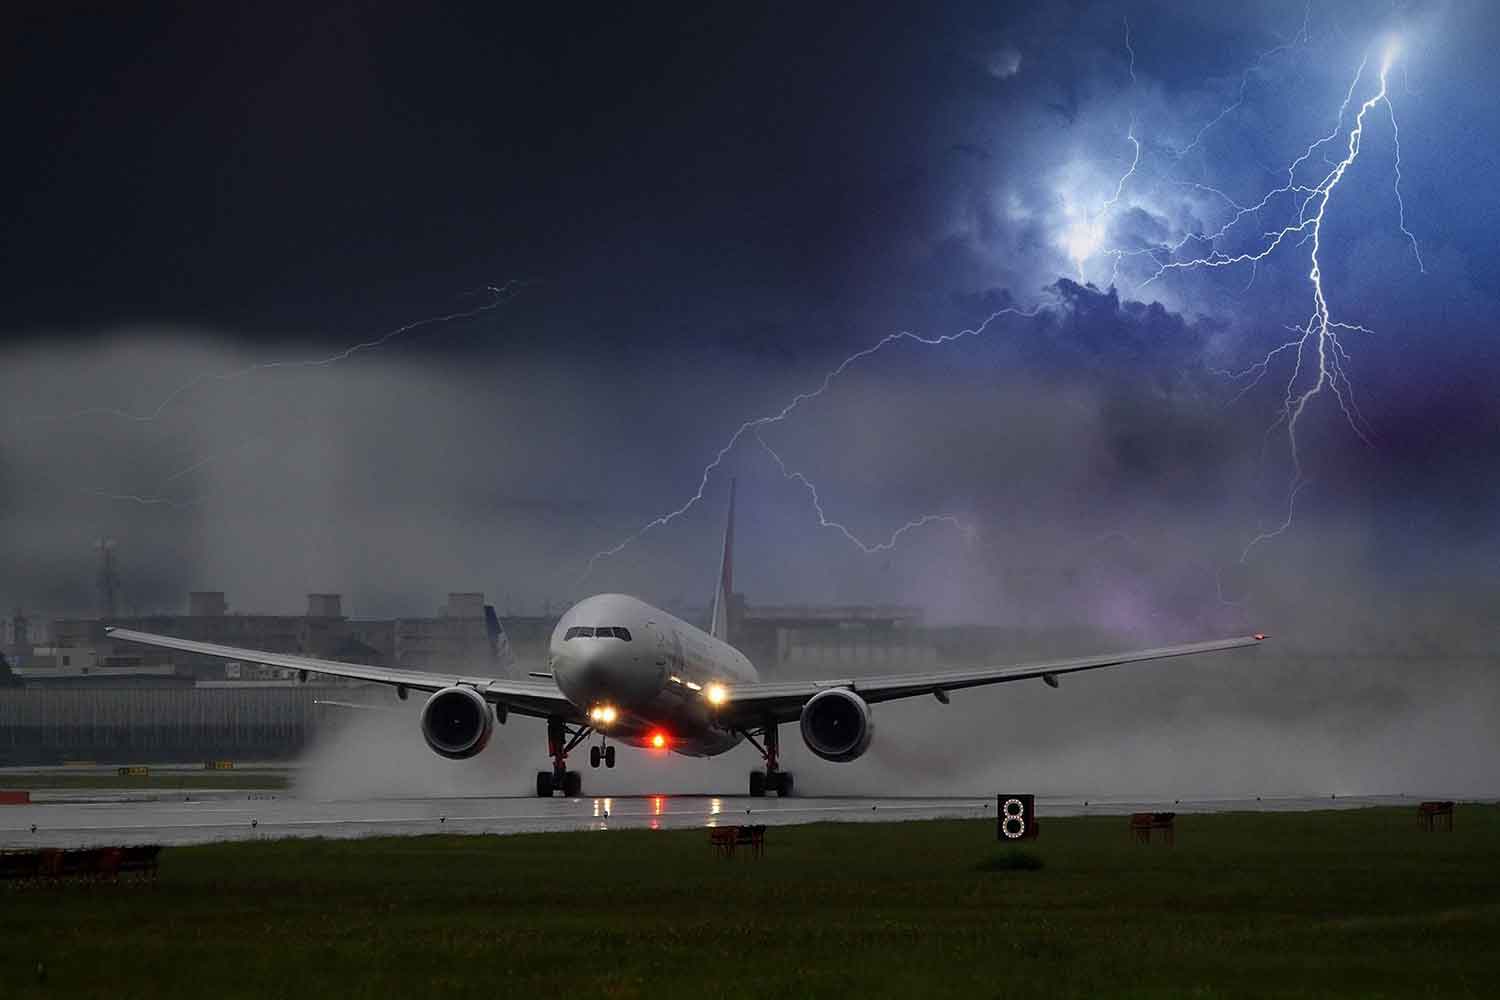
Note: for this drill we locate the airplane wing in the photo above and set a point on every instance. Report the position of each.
(534, 697)
(748, 705)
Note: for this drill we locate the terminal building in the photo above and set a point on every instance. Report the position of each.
(455, 638)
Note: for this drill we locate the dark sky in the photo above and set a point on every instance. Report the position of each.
(252, 170)
(704, 209)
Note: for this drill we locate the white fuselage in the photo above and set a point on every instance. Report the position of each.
(655, 683)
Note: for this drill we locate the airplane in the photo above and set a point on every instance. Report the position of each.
(633, 674)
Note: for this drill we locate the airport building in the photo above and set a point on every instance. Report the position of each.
(455, 638)
(148, 724)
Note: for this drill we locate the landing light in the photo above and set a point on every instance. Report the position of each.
(602, 713)
(716, 694)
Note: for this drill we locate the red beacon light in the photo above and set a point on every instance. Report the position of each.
(659, 740)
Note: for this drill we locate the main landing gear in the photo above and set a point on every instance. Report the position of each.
(561, 741)
(773, 778)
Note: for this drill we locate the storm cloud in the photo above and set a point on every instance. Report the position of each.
(711, 209)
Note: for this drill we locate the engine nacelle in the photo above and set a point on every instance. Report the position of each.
(837, 725)
(457, 722)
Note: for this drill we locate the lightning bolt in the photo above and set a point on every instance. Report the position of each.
(756, 423)
(157, 497)
(1083, 239)
(967, 530)
(498, 296)
(1129, 132)
(146, 501)
(1319, 356)
(1400, 202)
(1302, 37)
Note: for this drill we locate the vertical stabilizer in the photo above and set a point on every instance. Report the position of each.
(501, 655)
(719, 625)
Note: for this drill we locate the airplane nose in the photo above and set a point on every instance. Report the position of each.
(601, 672)
(591, 673)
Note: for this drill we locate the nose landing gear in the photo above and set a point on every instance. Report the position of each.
(603, 752)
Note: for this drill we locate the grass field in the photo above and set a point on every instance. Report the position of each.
(1355, 903)
(160, 780)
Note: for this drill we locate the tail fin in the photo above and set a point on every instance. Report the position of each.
(719, 626)
(500, 651)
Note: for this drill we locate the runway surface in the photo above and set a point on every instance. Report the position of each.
(94, 817)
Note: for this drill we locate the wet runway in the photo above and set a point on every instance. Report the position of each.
(95, 817)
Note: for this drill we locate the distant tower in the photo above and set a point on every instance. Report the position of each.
(109, 580)
(20, 634)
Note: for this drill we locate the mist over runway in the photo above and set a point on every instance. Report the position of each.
(74, 819)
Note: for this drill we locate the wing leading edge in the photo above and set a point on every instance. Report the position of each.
(743, 705)
(535, 697)
(782, 700)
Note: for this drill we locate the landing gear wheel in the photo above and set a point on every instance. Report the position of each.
(784, 784)
(572, 784)
(593, 756)
(544, 784)
(757, 784)
(609, 756)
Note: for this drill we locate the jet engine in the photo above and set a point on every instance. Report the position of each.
(836, 725)
(457, 722)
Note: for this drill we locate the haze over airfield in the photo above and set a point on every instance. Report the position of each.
(702, 213)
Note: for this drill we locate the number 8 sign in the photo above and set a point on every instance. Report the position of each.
(1016, 816)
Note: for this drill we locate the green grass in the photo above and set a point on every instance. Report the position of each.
(1011, 860)
(157, 781)
(1354, 903)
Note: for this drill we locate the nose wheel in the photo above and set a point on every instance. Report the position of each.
(606, 754)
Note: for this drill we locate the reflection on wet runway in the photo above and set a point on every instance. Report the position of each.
(75, 819)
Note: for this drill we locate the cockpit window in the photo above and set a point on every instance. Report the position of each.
(602, 632)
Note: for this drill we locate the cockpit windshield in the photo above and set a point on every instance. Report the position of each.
(601, 632)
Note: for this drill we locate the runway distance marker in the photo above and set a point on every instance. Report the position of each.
(1015, 817)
